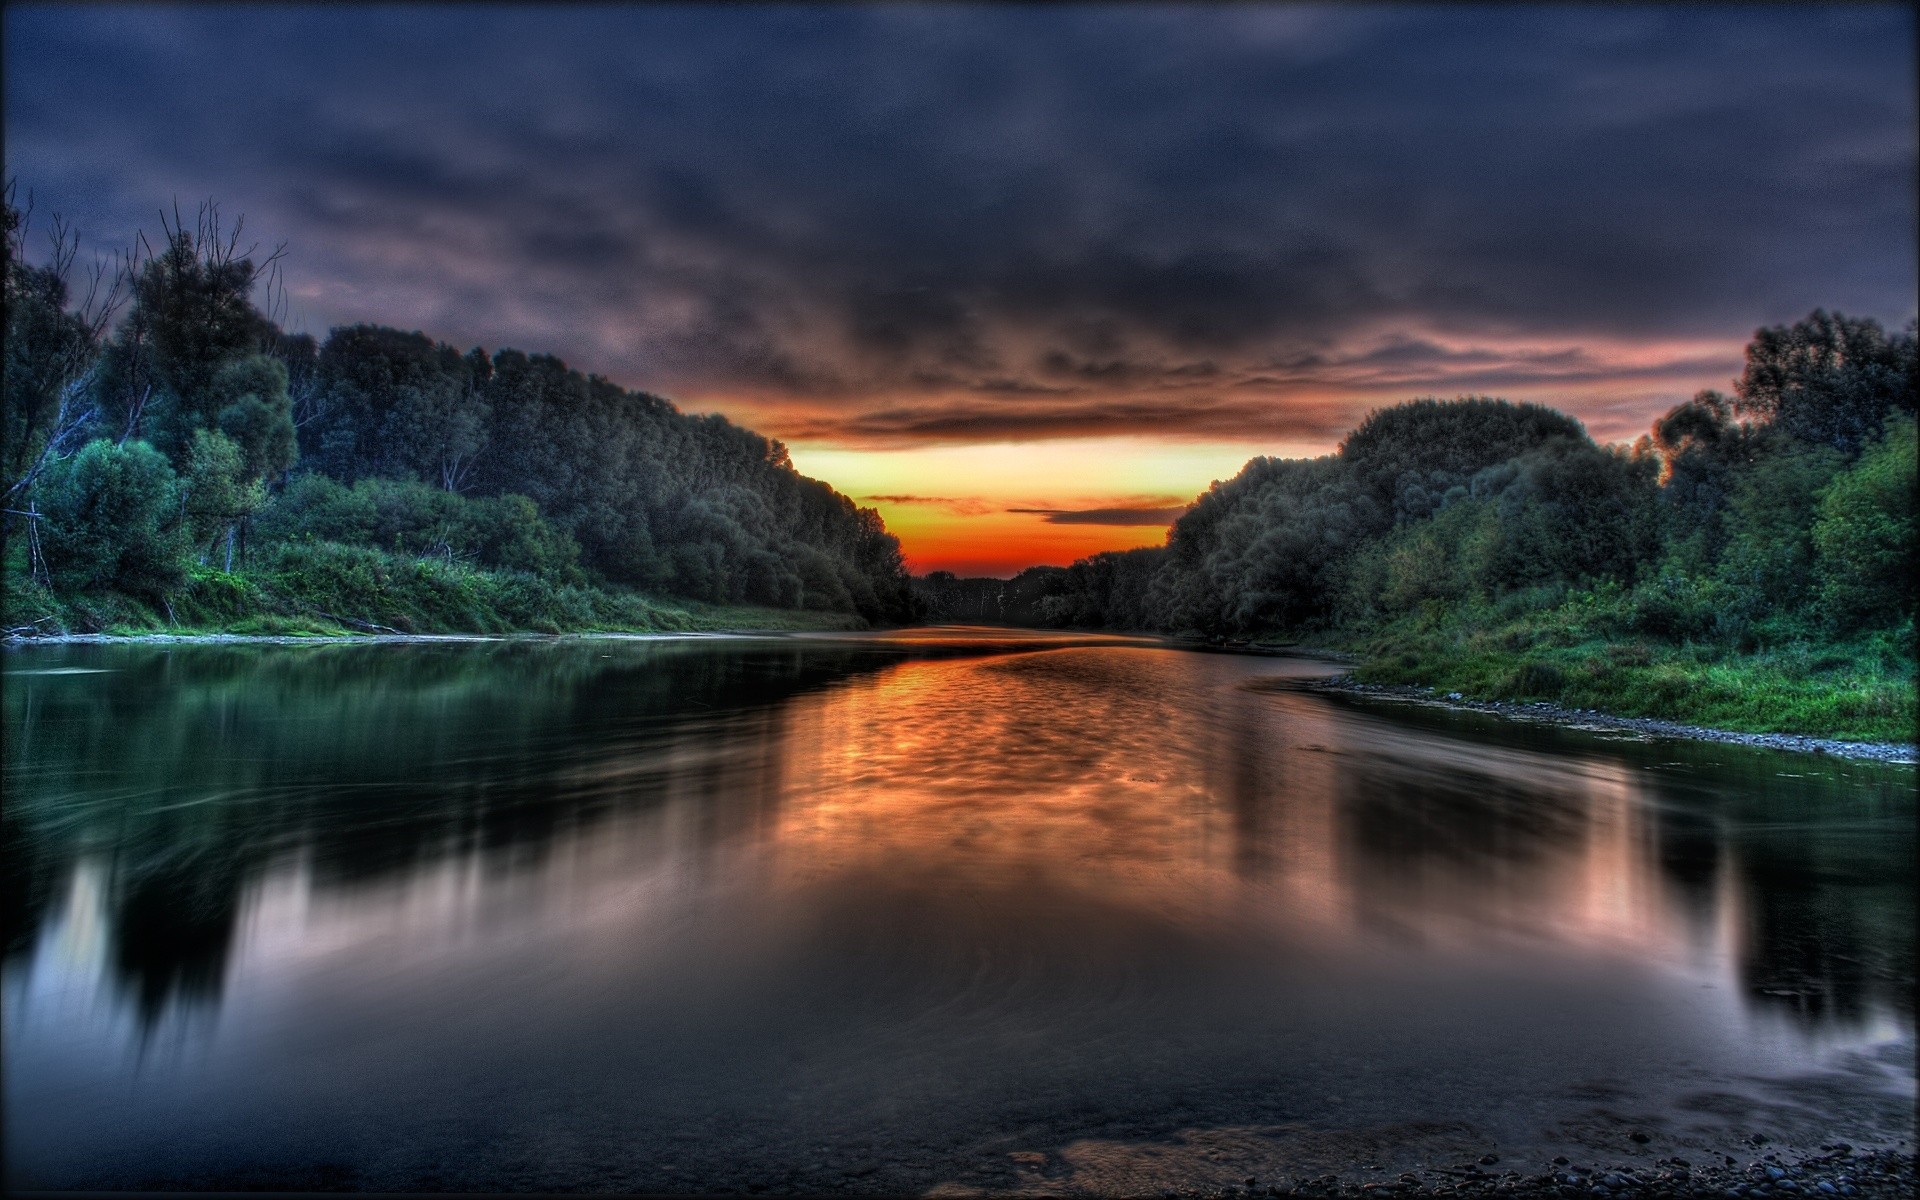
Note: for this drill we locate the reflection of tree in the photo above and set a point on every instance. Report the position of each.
(1688, 851)
(1248, 783)
(192, 770)
(1825, 902)
(172, 930)
(26, 885)
(1403, 820)
(1821, 944)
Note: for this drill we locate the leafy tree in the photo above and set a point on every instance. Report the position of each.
(255, 411)
(1829, 379)
(1409, 457)
(1570, 511)
(193, 316)
(1864, 535)
(113, 520)
(219, 489)
(1768, 561)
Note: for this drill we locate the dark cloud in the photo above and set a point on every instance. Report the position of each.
(934, 223)
(1107, 516)
(962, 422)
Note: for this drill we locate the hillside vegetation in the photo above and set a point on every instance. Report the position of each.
(175, 459)
(1750, 563)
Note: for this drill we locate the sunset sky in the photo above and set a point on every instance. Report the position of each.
(1024, 278)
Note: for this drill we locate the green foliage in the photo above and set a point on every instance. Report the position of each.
(193, 301)
(217, 488)
(1410, 456)
(414, 518)
(508, 460)
(1829, 380)
(249, 396)
(695, 506)
(113, 520)
(1863, 534)
(1570, 511)
(1768, 560)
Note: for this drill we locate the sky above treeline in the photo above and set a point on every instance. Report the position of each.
(1024, 278)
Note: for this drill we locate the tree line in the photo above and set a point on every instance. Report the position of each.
(1784, 510)
(162, 420)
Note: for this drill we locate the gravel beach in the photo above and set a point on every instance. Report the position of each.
(1899, 752)
(1836, 1171)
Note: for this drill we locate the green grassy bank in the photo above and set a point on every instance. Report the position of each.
(325, 589)
(1785, 681)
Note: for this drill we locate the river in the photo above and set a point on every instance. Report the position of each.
(945, 910)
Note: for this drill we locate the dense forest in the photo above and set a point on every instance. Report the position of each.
(1495, 548)
(169, 448)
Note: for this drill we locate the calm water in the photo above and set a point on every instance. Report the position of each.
(944, 910)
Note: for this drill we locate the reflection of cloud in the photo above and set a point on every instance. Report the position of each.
(1107, 516)
(929, 222)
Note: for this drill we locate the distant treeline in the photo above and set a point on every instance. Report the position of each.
(1783, 511)
(162, 425)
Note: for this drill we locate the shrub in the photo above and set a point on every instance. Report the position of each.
(1863, 534)
(112, 520)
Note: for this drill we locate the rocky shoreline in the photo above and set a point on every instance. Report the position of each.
(1579, 718)
(1837, 1170)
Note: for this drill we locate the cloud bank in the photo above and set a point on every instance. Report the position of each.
(892, 226)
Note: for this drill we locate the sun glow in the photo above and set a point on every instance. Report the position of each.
(951, 506)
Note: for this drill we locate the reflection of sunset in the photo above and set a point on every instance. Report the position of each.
(909, 881)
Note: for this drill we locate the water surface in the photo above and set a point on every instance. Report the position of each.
(946, 910)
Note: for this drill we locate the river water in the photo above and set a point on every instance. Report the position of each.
(950, 910)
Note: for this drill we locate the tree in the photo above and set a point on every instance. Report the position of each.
(51, 352)
(193, 316)
(219, 490)
(113, 520)
(1829, 380)
(1864, 535)
(1573, 512)
(1768, 559)
(252, 407)
(1410, 456)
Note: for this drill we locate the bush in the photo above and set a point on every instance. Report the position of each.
(412, 518)
(112, 519)
(1863, 534)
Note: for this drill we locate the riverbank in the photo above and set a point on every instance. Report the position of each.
(1844, 690)
(352, 594)
(1582, 718)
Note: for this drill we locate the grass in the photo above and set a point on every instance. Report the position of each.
(1855, 690)
(329, 590)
